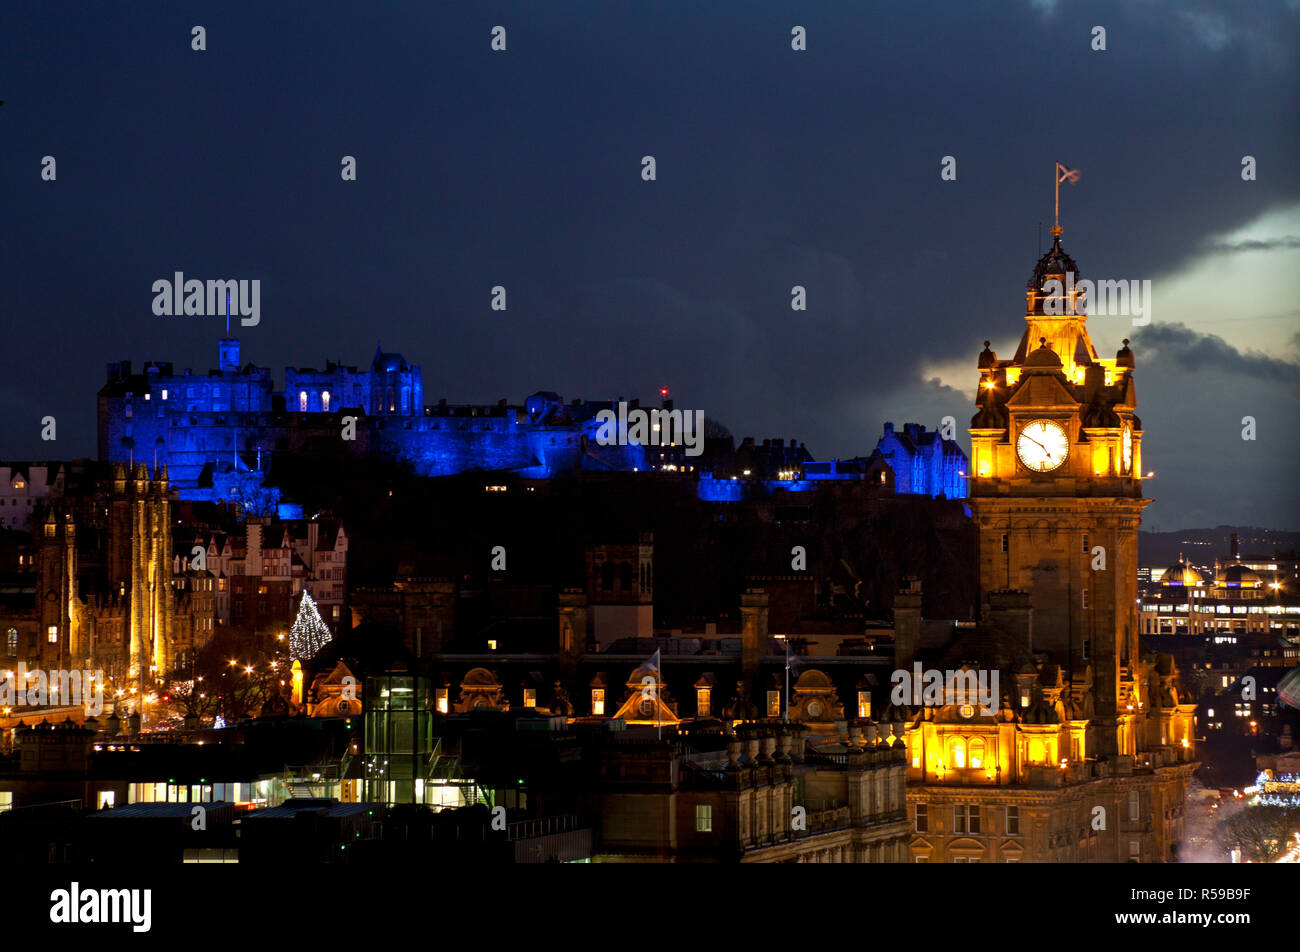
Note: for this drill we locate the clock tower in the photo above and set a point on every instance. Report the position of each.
(1056, 494)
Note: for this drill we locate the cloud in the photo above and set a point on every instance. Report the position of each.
(1285, 243)
(1194, 352)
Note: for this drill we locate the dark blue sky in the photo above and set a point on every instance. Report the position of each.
(775, 168)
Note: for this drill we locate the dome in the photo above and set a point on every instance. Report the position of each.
(1181, 574)
(1237, 576)
(1043, 357)
(1056, 261)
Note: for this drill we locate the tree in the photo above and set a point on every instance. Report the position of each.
(309, 634)
(233, 675)
(1261, 832)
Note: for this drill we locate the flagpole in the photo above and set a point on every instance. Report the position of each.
(1056, 178)
(787, 680)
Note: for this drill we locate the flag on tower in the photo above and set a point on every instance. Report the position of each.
(1066, 175)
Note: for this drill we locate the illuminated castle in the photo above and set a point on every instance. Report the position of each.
(212, 431)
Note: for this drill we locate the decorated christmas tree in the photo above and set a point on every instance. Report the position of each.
(309, 634)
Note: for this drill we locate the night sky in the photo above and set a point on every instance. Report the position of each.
(775, 168)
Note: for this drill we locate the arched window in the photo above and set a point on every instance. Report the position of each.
(625, 576)
(977, 752)
(607, 576)
(325, 400)
(957, 752)
(302, 401)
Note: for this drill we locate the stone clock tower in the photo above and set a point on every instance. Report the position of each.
(1056, 493)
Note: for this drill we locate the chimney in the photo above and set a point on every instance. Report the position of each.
(753, 634)
(907, 622)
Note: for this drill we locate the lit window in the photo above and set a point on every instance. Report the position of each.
(977, 752)
(530, 697)
(325, 400)
(864, 704)
(52, 634)
(106, 799)
(492, 644)
(302, 401)
(957, 752)
(441, 695)
(598, 701)
(164, 394)
(1013, 821)
(1037, 752)
(702, 702)
(773, 703)
(703, 818)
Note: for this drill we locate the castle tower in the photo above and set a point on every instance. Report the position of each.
(1056, 492)
(60, 637)
(228, 355)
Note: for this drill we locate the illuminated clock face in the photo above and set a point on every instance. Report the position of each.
(1042, 445)
(1126, 449)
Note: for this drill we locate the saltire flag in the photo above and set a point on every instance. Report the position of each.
(1066, 175)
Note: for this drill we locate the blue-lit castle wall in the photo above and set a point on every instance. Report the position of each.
(212, 431)
(924, 463)
(208, 429)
